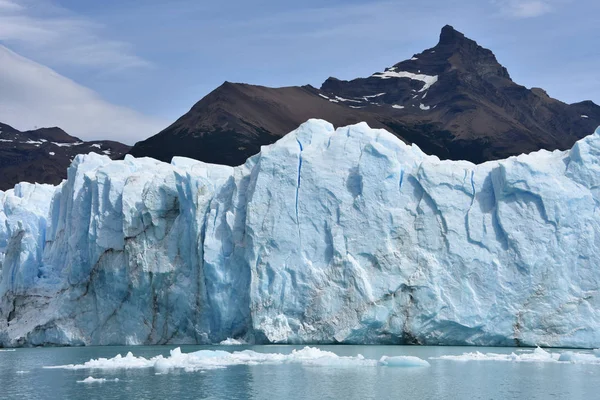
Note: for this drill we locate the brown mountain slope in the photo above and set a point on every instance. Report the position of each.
(232, 122)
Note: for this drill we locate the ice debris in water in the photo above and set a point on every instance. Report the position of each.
(91, 379)
(403, 361)
(232, 342)
(538, 355)
(213, 359)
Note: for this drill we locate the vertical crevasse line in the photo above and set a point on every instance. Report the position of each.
(298, 184)
(401, 179)
(298, 190)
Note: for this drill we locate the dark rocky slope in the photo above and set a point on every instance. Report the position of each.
(43, 155)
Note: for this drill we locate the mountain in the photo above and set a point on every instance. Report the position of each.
(327, 236)
(232, 122)
(43, 155)
(454, 100)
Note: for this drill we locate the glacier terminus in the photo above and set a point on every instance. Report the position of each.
(329, 235)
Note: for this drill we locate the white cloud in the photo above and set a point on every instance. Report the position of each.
(56, 36)
(524, 8)
(33, 95)
(9, 5)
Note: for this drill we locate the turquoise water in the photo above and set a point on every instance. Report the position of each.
(22, 376)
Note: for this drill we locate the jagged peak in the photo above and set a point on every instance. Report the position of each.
(450, 35)
(452, 41)
(453, 44)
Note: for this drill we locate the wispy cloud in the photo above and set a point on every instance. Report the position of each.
(34, 95)
(9, 5)
(59, 37)
(524, 8)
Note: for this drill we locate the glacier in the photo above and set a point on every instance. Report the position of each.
(330, 235)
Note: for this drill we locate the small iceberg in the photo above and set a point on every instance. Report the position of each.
(232, 342)
(217, 359)
(91, 379)
(403, 361)
(538, 355)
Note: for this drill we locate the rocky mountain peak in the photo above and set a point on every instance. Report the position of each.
(450, 36)
(466, 55)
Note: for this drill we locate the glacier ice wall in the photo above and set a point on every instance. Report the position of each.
(327, 236)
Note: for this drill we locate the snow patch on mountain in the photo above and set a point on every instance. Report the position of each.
(428, 80)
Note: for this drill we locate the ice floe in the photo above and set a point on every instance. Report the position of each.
(538, 355)
(91, 379)
(232, 342)
(215, 359)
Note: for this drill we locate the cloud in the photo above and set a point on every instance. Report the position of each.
(524, 8)
(56, 36)
(8, 5)
(34, 95)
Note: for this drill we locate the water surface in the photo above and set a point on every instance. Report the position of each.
(22, 376)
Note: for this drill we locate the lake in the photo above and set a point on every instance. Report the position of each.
(277, 372)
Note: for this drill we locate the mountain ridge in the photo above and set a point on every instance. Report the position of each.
(43, 155)
(454, 100)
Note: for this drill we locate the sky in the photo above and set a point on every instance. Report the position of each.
(125, 69)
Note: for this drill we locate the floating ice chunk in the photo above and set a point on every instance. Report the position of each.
(424, 107)
(579, 358)
(538, 355)
(91, 379)
(567, 356)
(214, 359)
(584, 116)
(403, 361)
(397, 106)
(117, 362)
(52, 153)
(232, 342)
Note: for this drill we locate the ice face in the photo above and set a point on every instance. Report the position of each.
(327, 236)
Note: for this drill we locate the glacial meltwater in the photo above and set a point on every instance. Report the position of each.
(298, 372)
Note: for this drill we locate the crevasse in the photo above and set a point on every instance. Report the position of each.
(396, 247)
